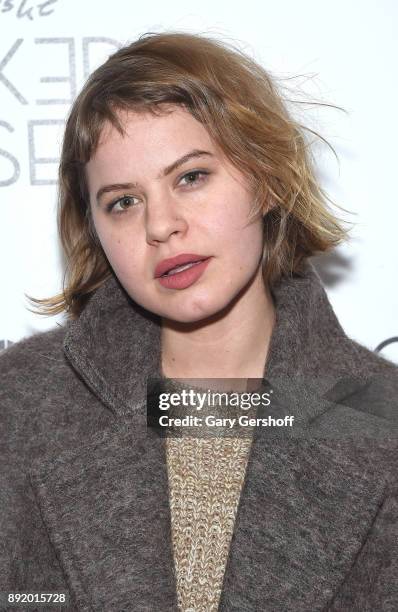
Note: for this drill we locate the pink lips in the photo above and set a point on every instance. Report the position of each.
(184, 258)
(182, 280)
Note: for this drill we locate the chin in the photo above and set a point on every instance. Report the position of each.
(187, 315)
(197, 310)
(186, 307)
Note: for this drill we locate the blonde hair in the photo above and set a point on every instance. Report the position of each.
(244, 113)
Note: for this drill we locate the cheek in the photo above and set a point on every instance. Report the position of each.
(251, 248)
(120, 248)
(246, 242)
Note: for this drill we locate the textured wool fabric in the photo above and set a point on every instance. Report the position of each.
(84, 487)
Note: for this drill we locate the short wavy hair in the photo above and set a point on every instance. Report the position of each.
(245, 114)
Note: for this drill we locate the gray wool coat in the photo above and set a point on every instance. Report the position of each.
(83, 482)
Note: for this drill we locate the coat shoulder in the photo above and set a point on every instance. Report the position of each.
(29, 370)
(29, 351)
(43, 400)
(372, 385)
(46, 408)
(374, 361)
(29, 363)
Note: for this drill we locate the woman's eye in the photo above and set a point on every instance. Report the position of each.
(193, 177)
(121, 204)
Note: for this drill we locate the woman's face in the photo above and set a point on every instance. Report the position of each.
(143, 215)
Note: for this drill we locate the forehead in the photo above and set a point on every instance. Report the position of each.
(147, 144)
(171, 126)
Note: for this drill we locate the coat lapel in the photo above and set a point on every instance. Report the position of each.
(106, 508)
(307, 502)
(305, 510)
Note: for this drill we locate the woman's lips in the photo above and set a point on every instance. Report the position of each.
(186, 278)
(178, 260)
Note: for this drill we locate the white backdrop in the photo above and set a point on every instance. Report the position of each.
(343, 53)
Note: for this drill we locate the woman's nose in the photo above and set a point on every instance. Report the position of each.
(163, 217)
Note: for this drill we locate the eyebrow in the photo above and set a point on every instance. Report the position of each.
(165, 172)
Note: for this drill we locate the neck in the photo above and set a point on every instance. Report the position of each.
(231, 344)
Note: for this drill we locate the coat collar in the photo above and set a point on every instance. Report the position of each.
(306, 504)
(115, 344)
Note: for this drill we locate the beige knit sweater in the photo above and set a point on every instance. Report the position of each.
(205, 481)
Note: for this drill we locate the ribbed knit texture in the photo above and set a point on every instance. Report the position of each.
(205, 482)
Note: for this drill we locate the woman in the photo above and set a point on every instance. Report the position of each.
(179, 152)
